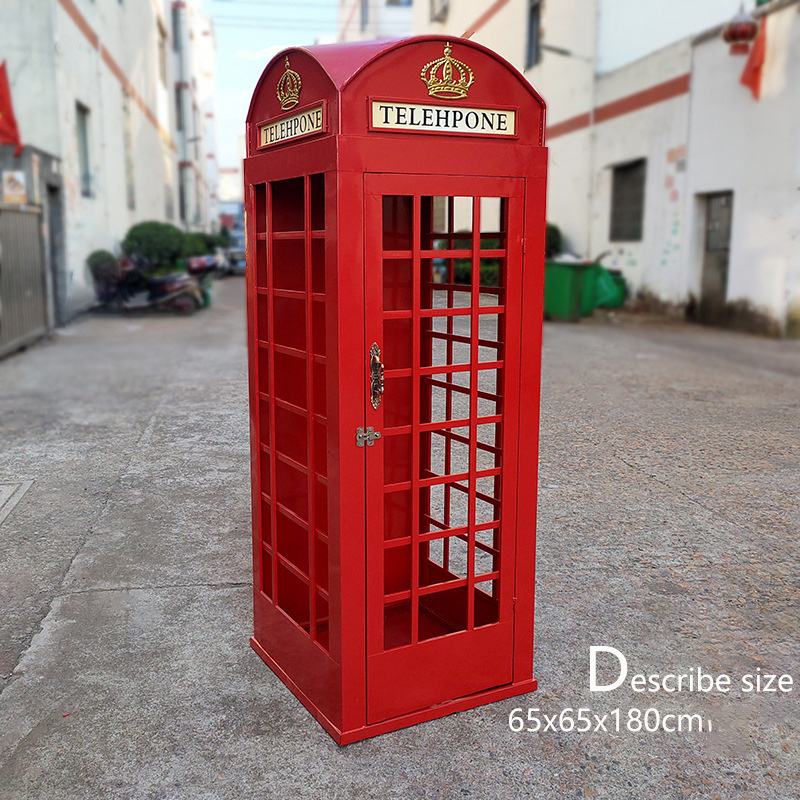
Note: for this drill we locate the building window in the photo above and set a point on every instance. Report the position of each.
(162, 54)
(439, 10)
(127, 135)
(364, 14)
(534, 51)
(176, 28)
(82, 114)
(182, 196)
(178, 108)
(627, 202)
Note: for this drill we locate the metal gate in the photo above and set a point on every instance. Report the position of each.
(23, 292)
(716, 253)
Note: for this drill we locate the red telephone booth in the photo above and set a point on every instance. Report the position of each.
(395, 222)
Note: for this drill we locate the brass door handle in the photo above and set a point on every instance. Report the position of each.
(375, 375)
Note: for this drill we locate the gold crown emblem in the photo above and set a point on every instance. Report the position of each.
(289, 87)
(440, 76)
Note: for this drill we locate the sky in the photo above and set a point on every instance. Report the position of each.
(248, 33)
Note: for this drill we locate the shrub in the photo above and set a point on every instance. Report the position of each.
(193, 245)
(552, 240)
(158, 242)
(105, 273)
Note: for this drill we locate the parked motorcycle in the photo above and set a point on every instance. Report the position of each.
(136, 290)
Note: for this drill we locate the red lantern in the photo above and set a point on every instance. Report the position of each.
(739, 32)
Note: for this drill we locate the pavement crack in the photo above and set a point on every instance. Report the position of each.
(7, 679)
(150, 587)
(667, 484)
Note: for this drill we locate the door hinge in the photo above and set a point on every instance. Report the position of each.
(367, 437)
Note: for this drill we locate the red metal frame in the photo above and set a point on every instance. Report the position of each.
(346, 611)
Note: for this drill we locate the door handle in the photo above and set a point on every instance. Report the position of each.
(375, 375)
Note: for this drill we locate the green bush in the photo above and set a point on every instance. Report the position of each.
(193, 245)
(490, 267)
(158, 242)
(105, 273)
(552, 240)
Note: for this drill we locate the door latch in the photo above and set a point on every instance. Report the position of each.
(367, 437)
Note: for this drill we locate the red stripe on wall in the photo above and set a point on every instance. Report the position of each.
(80, 21)
(484, 18)
(569, 125)
(109, 61)
(648, 97)
(625, 105)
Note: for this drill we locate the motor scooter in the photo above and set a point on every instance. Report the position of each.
(135, 290)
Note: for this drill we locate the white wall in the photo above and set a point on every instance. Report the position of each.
(657, 133)
(383, 21)
(129, 34)
(753, 149)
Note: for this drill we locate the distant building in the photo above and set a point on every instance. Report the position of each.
(359, 20)
(94, 88)
(659, 157)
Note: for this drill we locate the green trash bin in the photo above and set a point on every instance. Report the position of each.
(564, 289)
(589, 293)
(610, 288)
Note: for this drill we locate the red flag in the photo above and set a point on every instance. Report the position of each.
(9, 132)
(751, 75)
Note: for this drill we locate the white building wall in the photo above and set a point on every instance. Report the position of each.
(564, 81)
(751, 148)
(658, 133)
(384, 20)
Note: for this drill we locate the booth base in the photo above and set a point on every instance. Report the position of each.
(403, 721)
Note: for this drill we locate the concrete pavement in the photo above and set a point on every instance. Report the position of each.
(669, 517)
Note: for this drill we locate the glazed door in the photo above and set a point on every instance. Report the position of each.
(443, 270)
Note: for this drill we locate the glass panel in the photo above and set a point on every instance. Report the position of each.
(397, 458)
(397, 625)
(397, 222)
(262, 317)
(318, 266)
(292, 542)
(290, 379)
(323, 622)
(398, 290)
(397, 344)
(317, 202)
(292, 595)
(287, 205)
(266, 573)
(442, 612)
(289, 264)
(397, 569)
(289, 326)
(396, 402)
(397, 514)
(291, 489)
(291, 435)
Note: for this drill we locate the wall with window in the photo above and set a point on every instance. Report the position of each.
(359, 20)
(646, 146)
(113, 124)
(751, 148)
